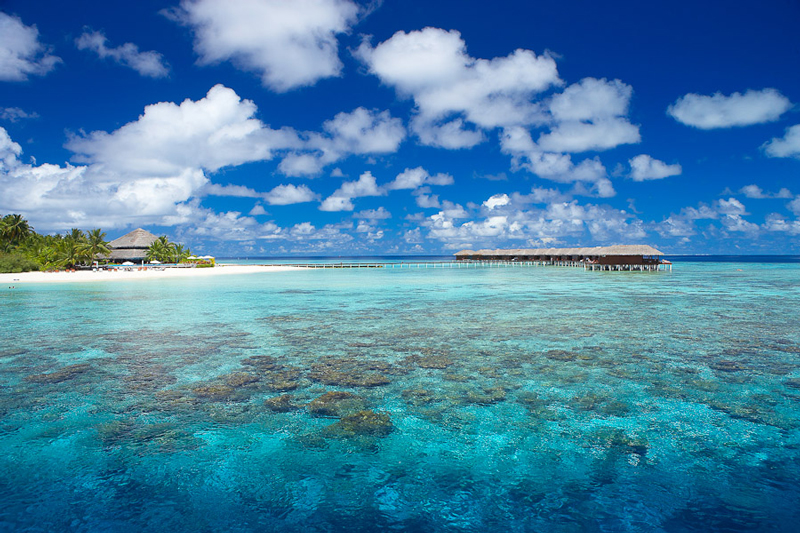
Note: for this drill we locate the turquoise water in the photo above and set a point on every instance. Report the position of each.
(524, 399)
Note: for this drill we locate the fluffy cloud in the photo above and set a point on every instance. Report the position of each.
(731, 206)
(296, 165)
(341, 199)
(776, 223)
(359, 132)
(362, 132)
(720, 111)
(590, 115)
(412, 178)
(144, 171)
(216, 131)
(147, 169)
(449, 87)
(458, 98)
(149, 64)
(280, 195)
(425, 200)
(502, 221)
(9, 151)
(737, 224)
(728, 214)
(786, 146)
(541, 195)
(374, 214)
(198, 221)
(585, 136)
(556, 167)
(240, 191)
(644, 167)
(15, 114)
(290, 194)
(794, 206)
(289, 44)
(257, 210)
(21, 53)
(756, 192)
(498, 200)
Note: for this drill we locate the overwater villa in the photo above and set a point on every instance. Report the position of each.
(131, 246)
(631, 257)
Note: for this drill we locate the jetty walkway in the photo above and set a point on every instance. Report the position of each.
(483, 264)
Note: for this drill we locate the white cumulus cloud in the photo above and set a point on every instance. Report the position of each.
(216, 131)
(556, 166)
(451, 88)
(341, 199)
(794, 206)
(15, 114)
(148, 63)
(497, 200)
(145, 171)
(590, 115)
(756, 192)
(21, 53)
(644, 167)
(374, 214)
(412, 178)
(721, 111)
(289, 44)
(360, 132)
(786, 146)
(290, 194)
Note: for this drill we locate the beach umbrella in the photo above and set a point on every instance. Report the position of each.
(193, 257)
(155, 262)
(127, 263)
(207, 257)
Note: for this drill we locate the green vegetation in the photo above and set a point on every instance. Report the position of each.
(167, 252)
(15, 262)
(23, 250)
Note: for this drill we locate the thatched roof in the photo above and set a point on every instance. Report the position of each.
(137, 239)
(617, 249)
(126, 254)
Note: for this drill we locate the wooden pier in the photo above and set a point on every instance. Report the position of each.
(616, 258)
(483, 264)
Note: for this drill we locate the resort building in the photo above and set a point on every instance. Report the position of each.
(617, 257)
(132, 246)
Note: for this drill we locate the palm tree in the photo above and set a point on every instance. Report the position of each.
(181, 252)
(160, 250)
(77, 245)
(68, 253)
(13, 230)
(95, 244)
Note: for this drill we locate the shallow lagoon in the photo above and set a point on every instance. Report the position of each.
(503, 399)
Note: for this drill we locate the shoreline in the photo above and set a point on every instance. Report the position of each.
(88, 276)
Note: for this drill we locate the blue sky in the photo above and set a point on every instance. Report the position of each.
(266, 127)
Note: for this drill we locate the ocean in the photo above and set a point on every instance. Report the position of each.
(434, 400)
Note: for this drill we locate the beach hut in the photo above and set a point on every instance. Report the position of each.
(131, 246)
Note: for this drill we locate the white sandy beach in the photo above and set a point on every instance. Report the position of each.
(15, 280)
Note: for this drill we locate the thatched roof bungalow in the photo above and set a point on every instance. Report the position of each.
(619, 254)
(132, 246)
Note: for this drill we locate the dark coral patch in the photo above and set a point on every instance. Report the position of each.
(240, 379)
(336, 404)
(728, 366)
(66, 373)
(363, 423)
(280, 404)
(560, 355)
